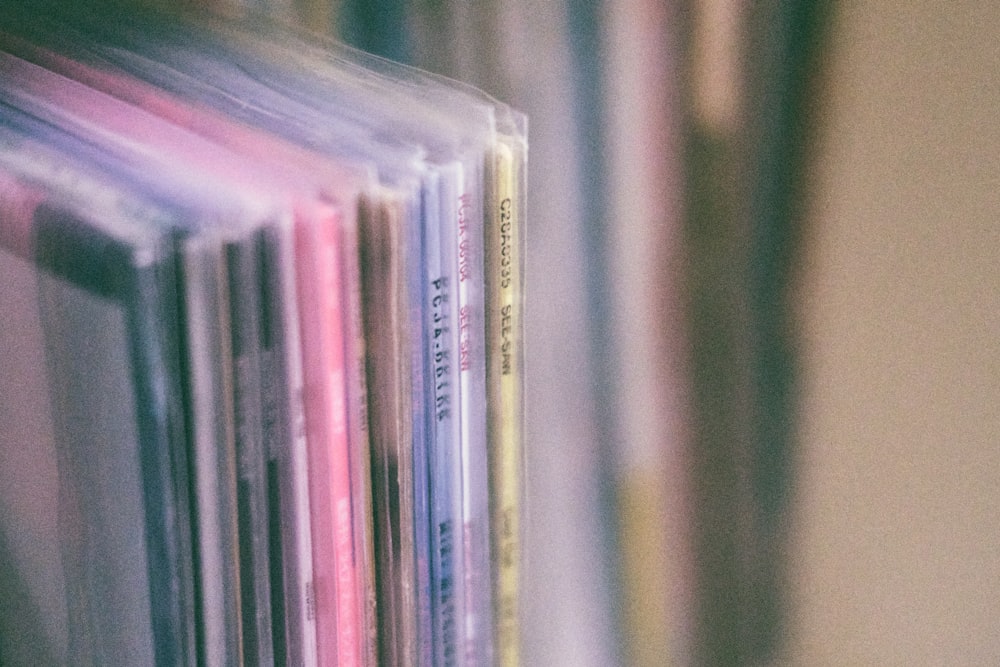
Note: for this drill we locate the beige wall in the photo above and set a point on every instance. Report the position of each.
(896, 559)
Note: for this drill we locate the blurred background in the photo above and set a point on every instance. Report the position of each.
(763, 319)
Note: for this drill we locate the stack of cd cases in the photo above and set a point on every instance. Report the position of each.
(261, 300)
